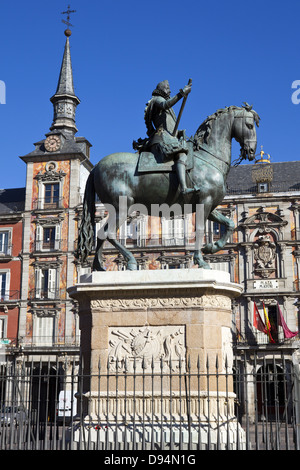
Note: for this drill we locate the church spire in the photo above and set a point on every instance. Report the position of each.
(65, 101)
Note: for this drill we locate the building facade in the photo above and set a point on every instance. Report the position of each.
(11, 235)
(55, 173)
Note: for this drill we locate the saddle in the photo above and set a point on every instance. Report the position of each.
(153, 162)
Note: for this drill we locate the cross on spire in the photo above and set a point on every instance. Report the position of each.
(68, 12)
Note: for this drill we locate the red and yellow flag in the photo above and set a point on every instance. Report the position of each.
(257, 321)
(268, 324)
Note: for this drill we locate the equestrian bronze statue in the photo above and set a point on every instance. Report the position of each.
(167, 168)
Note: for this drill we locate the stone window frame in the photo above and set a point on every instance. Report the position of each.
(41, 224)
(39, 266)
(38, 315)
(50, 176)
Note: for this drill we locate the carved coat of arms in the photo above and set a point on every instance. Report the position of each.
(145, 346)
(264, 255)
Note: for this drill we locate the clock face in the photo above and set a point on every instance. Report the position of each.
(52, 143)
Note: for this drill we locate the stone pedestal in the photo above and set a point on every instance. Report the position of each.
(152, 334)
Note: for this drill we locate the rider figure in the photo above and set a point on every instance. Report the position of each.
(160, 120)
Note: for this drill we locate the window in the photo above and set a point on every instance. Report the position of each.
(272, 314)
(218, 230)
(46, 283)
(47, 237)
(44, 330)
(51, 200)
(5, 248)
(263, 187)
(173, 231)
(4, 285)
(2, 328)
(134, 232)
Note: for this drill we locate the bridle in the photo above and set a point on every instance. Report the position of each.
(243, 154)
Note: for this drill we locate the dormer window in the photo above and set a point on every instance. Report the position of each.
(263, 187)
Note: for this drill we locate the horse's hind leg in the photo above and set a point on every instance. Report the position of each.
(112, 238)
(129, 258)
(98, 260)
(201, 217)
(216, 216)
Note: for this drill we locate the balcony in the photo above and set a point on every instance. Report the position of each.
(46, 204)
(36, 343)
(47, 246)
(47, 294)
(9, 298)
(256, 339)
(6, 252)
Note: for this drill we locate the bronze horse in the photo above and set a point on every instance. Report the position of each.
(117, 175)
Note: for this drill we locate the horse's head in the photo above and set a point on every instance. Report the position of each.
(244, 130)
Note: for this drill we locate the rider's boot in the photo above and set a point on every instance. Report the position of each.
(181, 173)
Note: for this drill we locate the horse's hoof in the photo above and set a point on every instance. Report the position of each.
(207, 249)
(204, 265)
(201, 263)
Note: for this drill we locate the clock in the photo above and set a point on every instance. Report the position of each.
(52, 143)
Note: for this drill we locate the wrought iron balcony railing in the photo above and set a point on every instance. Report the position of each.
(45, 204)
(6, 250)
(46, 294)
(51, 245)
(9, 295)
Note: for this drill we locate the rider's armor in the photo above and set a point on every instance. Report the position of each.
(160, 121)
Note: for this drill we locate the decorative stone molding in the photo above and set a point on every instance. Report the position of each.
(143, 303)
(44, 312)
(50, 175)
(265, 220)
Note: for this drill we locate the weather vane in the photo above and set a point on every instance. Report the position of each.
(67, 22)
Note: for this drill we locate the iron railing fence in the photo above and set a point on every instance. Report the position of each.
(249, 404)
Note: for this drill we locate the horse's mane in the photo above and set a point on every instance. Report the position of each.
(204, 130)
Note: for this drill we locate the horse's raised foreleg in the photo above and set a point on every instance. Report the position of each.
(216, 216)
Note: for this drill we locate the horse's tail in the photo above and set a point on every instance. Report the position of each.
(86, 228)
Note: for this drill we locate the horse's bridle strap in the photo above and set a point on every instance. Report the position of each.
(213, 155)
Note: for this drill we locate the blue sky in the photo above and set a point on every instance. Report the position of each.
(234, 51)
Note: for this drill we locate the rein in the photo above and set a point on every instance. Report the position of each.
(201, 147)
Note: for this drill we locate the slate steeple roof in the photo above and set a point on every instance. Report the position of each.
(64, 100)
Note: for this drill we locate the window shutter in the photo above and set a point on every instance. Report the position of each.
(39, 237)
(122, 231)
(38, 283)
(7, 285)
(51, 283)
(44, 330)
(2, 328)
(142, 231)
(9, 242)
(57, 241)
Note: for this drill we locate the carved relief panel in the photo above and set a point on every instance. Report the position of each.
(146, 348)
